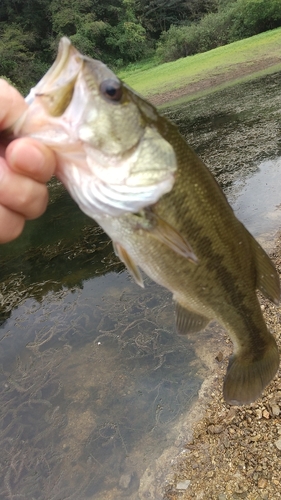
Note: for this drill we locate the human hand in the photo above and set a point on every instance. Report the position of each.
(25, 167)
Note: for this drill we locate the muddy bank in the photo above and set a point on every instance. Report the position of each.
(235, 129)
(213, 80)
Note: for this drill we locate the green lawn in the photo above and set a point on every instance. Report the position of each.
(174, 75)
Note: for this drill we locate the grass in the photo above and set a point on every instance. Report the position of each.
(149, 81)
(135, 67)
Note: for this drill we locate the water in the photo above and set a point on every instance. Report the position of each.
(94, 382)
(95, 386)
(259, 203)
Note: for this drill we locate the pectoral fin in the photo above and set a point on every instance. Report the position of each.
(188, 321)
(129, 263)
(164, 232)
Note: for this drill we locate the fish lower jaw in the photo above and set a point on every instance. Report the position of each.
(98, 199)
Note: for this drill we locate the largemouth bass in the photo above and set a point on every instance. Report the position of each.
(129, 169)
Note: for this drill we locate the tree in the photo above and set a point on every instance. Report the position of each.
(15, 57)
(157, 16)
(128, 37)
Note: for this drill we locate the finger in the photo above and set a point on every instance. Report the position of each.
(29, 157)
(22, 194)
(11, 224)
(12, 105)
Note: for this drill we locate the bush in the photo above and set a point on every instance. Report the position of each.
(212, 31)
(177, 42)
(234, 21)
(255, 16)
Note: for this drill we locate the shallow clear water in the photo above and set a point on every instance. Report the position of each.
(93, 377)
(258, 203)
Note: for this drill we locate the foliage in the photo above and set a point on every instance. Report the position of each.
(255, 16)
(233, 21)
(128, 37)
(122, 32)
(213, 31)
(15, 56)
(159, 15)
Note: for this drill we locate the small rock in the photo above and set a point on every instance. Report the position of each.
(278, 444)
(222, 496)
(275, 410)
(124, 481)
(262, 483)
(258, 413)
(183, 485)
(255, 438)
(215, 429)
(219, 357)
(231, 414)
(265, 414)
(226, 442)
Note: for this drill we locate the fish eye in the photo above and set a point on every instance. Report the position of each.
(111, 90)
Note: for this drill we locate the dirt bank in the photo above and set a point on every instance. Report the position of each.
(213, 80)
(235, 452)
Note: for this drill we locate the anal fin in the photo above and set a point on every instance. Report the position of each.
(188, 321)
(129, 263)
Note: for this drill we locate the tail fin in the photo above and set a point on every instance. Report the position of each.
(247, 375)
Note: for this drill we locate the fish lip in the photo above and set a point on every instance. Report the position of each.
(64, 71)
(59, 66)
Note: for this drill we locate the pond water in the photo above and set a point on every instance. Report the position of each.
(95, 386)
(93, 379)
(258, 203)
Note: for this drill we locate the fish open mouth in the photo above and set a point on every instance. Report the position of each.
(60, 79)
(52, 95)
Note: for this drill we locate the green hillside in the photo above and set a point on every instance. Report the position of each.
(257, 55)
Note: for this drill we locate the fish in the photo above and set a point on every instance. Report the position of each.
(128, 167)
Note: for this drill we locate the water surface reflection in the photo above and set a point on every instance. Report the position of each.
(258, 203)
